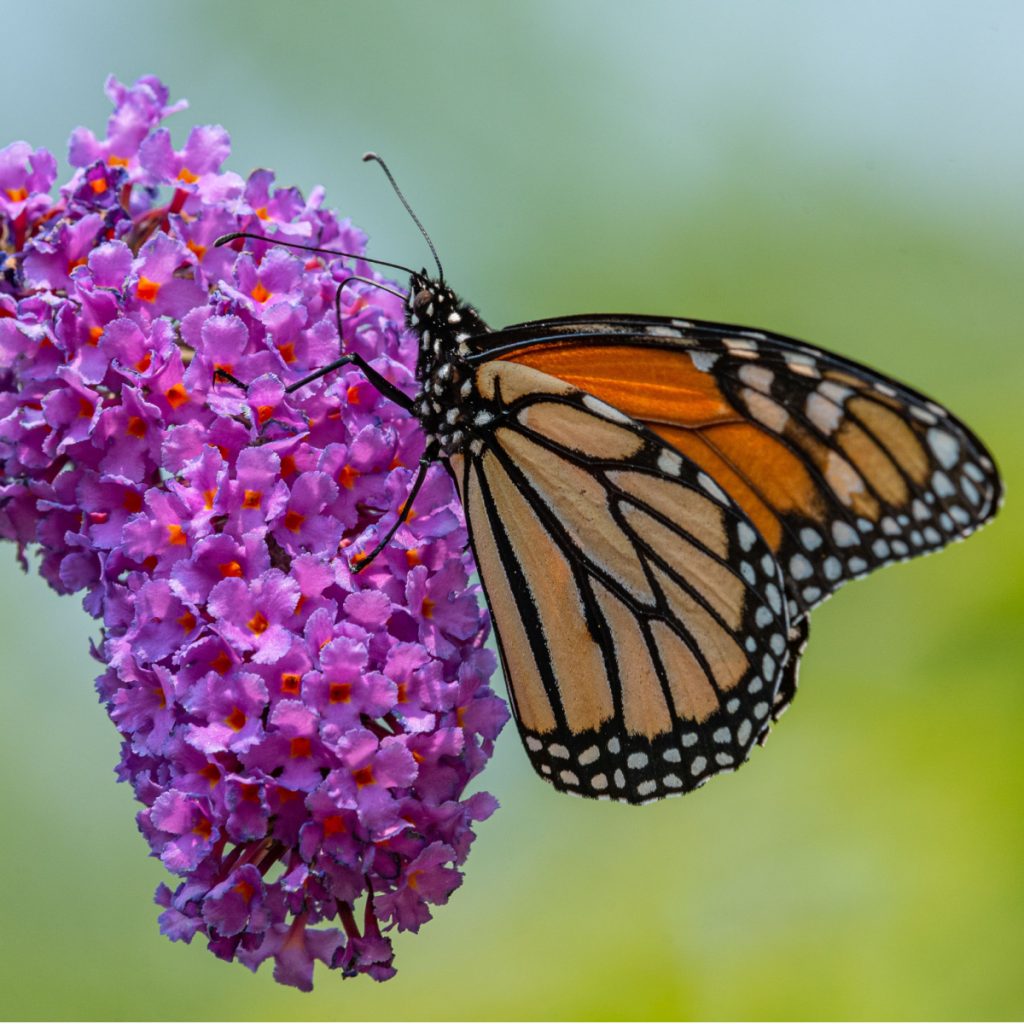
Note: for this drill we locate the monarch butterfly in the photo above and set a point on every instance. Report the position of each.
(655, 505)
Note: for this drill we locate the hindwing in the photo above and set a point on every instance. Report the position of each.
(640, 614)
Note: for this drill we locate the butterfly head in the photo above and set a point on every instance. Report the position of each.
(428, 303)
(443, 322)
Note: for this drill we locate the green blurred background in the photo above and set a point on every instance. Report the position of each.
(849, 173)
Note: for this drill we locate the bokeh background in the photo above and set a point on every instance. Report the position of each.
(850, 173)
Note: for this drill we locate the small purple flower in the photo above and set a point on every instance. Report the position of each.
(26, 177)
(301, 737)
(207, 148)
(52, 256)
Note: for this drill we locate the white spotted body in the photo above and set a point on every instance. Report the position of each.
(443, 323)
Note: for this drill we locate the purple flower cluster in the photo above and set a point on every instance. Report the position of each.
(301, 737)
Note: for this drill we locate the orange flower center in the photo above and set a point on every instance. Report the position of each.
(340, 693)
(146, 290)
(222, 663)
(236, 720)
(258, 623)
(176, 396)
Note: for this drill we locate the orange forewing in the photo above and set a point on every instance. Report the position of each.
(683, 405)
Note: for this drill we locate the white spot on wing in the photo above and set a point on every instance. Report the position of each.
(765, 410)
(945, 447)
(746, 536)
(795, 359)
(810, 539)
(712, 488)
(823, 413)
(703, 361)
(741, 346)
(836, 392)
(605, 410)
(670, 462)
(800, 568)
(955, 514)
(758, 377)
(844, 534)
(842, 478)
(942, 485)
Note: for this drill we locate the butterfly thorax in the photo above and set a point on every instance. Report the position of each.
(444, 324)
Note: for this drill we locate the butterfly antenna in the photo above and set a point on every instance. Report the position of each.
(225, 239)
(409, 209)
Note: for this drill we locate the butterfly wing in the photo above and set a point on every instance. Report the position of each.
(842, 470)
(640, 615)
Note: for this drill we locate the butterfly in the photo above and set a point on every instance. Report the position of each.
(655, 505)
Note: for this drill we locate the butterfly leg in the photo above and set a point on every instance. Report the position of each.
(360, 562)
(229, 377)
(378, 380)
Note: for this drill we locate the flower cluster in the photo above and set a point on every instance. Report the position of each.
(301, 736)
